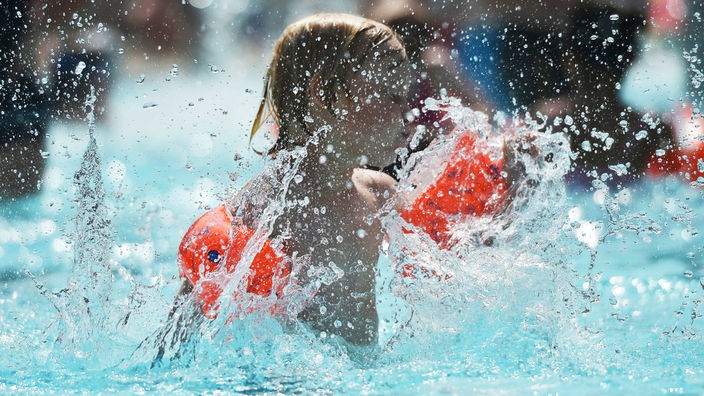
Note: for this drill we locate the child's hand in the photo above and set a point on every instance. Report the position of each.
(374, 187)
(515, 149)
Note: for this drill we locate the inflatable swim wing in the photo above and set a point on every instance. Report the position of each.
(207, 255)
(470, 184)
(686, 159)
(467, 183)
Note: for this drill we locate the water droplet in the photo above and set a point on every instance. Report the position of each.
(323, 310)
(79, 67)
(568, 120)
(337, 324)
(149, 105)
(614, 17)
(642, 134)
(298, 179)
(688, 274)
(141, 78)
(659, 152)
(200, 3)
(361, 233)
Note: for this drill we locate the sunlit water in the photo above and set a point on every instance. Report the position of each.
(581, 291)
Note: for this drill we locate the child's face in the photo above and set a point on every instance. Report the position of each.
(377, 104)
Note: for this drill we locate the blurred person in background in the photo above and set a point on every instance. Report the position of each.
(436, 72)
(567, 65)
(612, 142)
(74, 44)
(24, 112)
(79, 45)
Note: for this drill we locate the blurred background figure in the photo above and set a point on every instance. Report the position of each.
(24, 112)
(517, 56)
(82, 44)
(513, 50)
(74, 43)
(612, 142)
(428, 39)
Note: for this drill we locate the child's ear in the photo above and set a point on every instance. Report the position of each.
(314, 90)
(339, 98)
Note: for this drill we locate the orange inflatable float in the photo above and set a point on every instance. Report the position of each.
(686, 158)
(207, 250)
(470, 184)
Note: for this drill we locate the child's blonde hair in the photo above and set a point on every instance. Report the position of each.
(330, 46)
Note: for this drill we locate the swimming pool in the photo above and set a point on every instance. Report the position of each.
(595, 292)
(586, 291)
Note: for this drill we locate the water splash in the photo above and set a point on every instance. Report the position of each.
(186, 335)
(507, 279)
(81, 329)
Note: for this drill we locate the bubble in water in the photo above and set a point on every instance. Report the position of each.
(620, 169)
(614, 17)
(641, 134)
(141, 78)
(361, 233)
(568, 120)
(298, 178)
(659, 152)
(200, 3)
(79, 67)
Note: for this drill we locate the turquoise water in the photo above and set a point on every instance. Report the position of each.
(585, 292)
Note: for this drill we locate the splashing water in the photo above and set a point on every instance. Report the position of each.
(81, 332)
(524, 311)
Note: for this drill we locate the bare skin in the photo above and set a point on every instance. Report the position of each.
(348, 232)
(339, 226)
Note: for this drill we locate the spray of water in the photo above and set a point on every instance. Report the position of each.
(79, 332)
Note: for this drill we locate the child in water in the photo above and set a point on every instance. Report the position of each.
(336, 90)
(336, 86)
